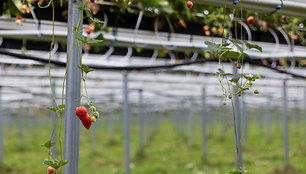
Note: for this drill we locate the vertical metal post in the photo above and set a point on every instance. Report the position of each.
(203, 124)
(238, 123)
(140, 120)
(268, 110)
(285, 119)
(223, 120)
(245, 120)
(126, 122)
(191, 125)
(112, 122)
(304, 109)
(73, 93)
(1, 131)
(20, 128)
(53, 119)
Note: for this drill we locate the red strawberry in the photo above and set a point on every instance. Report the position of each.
(180, 23)
(189, 4)
(51, 170)
(220, 31)
(284, 18)
(206, 28)
(88, 31)
(87, 121)
(41, 1)
(19, 17)
(81, 112)
(92, 1)
(295, 37)
(250, 20)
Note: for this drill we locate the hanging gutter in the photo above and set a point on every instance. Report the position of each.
(290, 8)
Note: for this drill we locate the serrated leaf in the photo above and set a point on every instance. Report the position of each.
(235, 79)
(93, 41)
(250, 46)
(62, 163)
(52, 164)
(80, 37)
(51, 108)
(85, 68)
(48, 144)
(61, 106)
(228, 74)
(220, 71)
(96, 20)
(237, 43)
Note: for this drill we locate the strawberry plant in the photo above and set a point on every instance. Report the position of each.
(233, 50)
(81, 112)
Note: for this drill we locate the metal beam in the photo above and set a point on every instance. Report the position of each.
(73, 93)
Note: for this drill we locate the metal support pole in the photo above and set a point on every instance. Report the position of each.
(223, 122)
(20, 129)
(203, 124)
(268, 110)
(112, 123)
(1, 132)
(238, 125)
(285, 117)
(245, 121)
(140, 120)
(126, 122)
(305, 109)
(191, 126)
(53, 120)
(73, 93)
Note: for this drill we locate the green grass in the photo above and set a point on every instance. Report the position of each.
(167, 152)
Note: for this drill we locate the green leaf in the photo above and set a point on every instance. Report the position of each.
(78, 35)
(62, 163)
(220, 71)
(48, 144)
(250, 46)
(93, 41)
(60, 107)
(80, 5)
(235, 79)
(228, 74)
(96, 20)
(51, 108)
(52, 164)
(85, 68)
(237, 43)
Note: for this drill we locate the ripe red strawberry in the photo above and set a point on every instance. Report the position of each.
(220, 31)
(19, 17)
(180, 23)
(284, 18)
(189, 4)
(92, 1)
(86, 121)
(295, 37)
(41, 1)
(88, 31)
(250, 20)
(205, 28)
(81, 112)
(51, 170)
